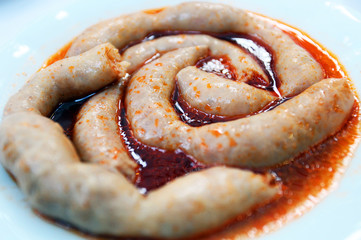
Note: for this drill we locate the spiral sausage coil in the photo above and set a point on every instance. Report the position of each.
(88, 182)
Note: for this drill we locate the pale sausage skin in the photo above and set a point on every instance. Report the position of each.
(243, 63)
(96, 132)
(216, 95)
(149, 111)
(265, 139)
(79, 75)
(56, 183)
(229, 98)
(273, 137)
(296, 68)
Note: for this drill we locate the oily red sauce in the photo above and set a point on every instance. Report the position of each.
(65, 114)
(153, 11)
(302, 179)
(58, 55)
(156, 166)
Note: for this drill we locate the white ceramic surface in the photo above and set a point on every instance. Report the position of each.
(30, 31)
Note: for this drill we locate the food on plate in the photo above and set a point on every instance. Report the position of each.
(193, 113)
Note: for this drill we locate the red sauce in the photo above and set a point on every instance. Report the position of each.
(156, 166)
(58, 55)
(306, 176)
(66, 114)
(154, 11)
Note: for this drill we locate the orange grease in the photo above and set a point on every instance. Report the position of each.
(153, 11)
(58, 55)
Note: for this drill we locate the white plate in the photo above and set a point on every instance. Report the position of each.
(33, 30)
